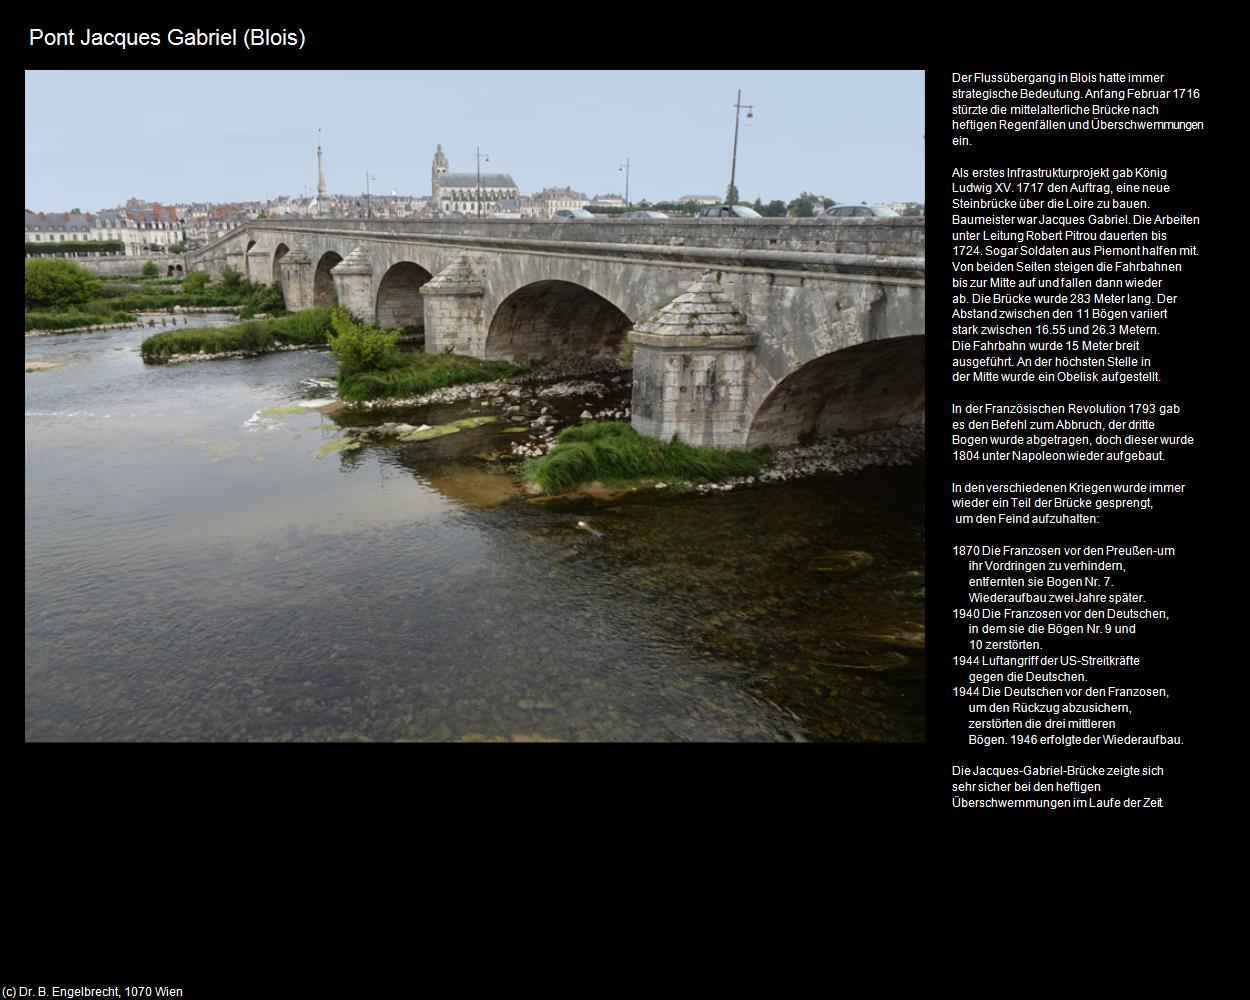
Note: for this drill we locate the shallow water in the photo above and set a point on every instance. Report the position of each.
(195, 572)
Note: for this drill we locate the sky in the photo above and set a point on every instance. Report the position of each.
(97, 138)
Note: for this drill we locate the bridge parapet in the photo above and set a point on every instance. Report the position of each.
(875, 237)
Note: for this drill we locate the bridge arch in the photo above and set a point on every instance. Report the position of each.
(323, 280)
(246, 263)
(280, 251)
(399, 300)
(870, 386)
(555, 319)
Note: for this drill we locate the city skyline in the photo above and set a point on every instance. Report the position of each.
(226, 136)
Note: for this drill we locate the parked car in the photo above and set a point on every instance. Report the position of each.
(857, 212)
(567, 214)
(728, 212)
(643, 215)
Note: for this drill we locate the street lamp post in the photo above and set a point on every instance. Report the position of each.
(480, 157)
(368, 197)
(733, 166)
(625, 166)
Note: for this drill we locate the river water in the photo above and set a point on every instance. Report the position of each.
(199, 567)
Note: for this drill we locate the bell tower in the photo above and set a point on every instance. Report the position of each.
(439, 168)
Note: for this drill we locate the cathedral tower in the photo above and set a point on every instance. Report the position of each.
(439, 168)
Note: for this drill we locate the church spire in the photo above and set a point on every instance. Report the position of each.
(321, 174)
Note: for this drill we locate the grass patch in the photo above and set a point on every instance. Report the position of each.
(615, 454)
(418, 373)
(72, 320)
(255, 336)
(132, 279)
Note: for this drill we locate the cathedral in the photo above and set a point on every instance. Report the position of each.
(459, 192)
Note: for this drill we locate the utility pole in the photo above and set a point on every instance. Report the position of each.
(733, 167)
(480, 157)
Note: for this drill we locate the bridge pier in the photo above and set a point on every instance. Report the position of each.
(353, 284)
(297, 279)
(237, 259)
(692, 369)
(259, 266)
(454, 318)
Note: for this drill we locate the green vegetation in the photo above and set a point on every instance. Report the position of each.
(616, 455)
(195, 282)
(74, 319)
(231, 280)
(58, 284)
(806, 205)
(263, 299)
(150, 270)
(63, 287)
(361, 347)
(133, 279)
(76, 246)
(373, 367)
(442, 430)
(675, 207)
(255, 336)
(163, 297)
(419, 373)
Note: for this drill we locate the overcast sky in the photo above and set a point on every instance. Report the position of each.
(94, 139)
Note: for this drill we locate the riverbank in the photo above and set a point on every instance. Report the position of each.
(137, 320)
(538, 407)
(302, 329)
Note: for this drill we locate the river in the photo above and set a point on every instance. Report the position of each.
(195, 572)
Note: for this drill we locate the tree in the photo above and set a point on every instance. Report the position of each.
(803, 205)
(150, 270)
(59, 284)
(361, 347)
(195, 282)
(775, 209)
(230, 279)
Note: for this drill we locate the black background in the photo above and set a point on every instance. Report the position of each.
(166, 814)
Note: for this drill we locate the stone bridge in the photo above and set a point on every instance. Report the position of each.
(744, 333)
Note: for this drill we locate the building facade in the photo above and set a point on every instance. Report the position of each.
(553, 199)
(151, 229)
(467, 194)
